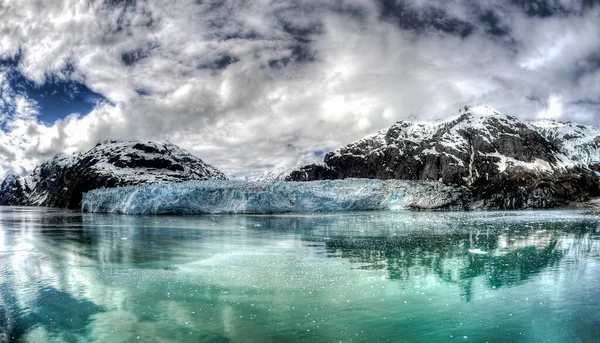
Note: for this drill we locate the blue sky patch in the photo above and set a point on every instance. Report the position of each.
(319, 153)
(56, 98)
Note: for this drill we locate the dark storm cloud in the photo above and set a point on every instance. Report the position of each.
(422, 19)
(247, 84)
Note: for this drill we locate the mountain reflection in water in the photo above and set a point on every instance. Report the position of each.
(373, 276)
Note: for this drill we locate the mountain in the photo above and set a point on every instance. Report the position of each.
(277, 173)
(60, 181)
(281, 171)
(581, 143)
(505, 162)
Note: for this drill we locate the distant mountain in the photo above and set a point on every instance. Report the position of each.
(505, 162)
(60, 181)
(281, 171)
(581, 143)
(277, 173)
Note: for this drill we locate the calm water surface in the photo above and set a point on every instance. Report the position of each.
(359, 277)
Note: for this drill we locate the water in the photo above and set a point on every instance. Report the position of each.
(358, 277)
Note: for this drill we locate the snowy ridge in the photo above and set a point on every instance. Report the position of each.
(278, 173)
(446, 132)
(483, 120)
(60, 181)
(282, 170)
(581, 143)
(201, 197)
(281, 173)
(480, 131)
(136, 162)
(505, 162)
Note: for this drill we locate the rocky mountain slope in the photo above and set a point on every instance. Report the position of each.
(581, 143)
(60, 181)
(504, 162)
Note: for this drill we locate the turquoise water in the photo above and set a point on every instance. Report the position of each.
(357, 277)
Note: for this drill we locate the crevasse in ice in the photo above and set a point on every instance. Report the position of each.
(218, 196)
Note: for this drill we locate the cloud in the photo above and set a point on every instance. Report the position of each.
(247, 85)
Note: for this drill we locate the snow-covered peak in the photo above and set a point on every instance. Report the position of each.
(476, 143)
(59, 181)
(580, 142)
(410, 131)
(470, 112)
(452, 133)
(143, 162)
(277, 173)
(282, 170)
(64, 160)
(501, 159)
(480, 116)
(567, 130)
(482, 110)
(472, 116)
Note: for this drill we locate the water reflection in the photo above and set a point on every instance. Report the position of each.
(364, 276)
(504, 259)
(54, 311)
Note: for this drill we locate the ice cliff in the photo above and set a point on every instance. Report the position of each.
(212, 196)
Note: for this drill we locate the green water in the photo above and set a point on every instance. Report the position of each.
(359, 277)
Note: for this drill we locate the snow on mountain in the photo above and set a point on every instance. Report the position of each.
(60, 181)
(135, 162)
(480, 131)
(504, 160)
(493, 160)
(282, 170)
(581, 143)
(277, 173)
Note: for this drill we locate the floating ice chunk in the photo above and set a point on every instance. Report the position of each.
(232, 196)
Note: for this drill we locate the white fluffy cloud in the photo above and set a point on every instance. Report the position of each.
(247, 85)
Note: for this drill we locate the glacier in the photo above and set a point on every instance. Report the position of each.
(268, 197)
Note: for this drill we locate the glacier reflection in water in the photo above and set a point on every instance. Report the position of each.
(366, 277)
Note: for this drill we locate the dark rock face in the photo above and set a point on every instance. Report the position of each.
(12, 190)
(506, 163)
(61, 181)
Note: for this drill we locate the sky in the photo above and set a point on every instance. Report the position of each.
(252, 85)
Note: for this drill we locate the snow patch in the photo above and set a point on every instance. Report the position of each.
(505, 162)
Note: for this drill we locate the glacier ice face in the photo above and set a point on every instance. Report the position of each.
(218, 196)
